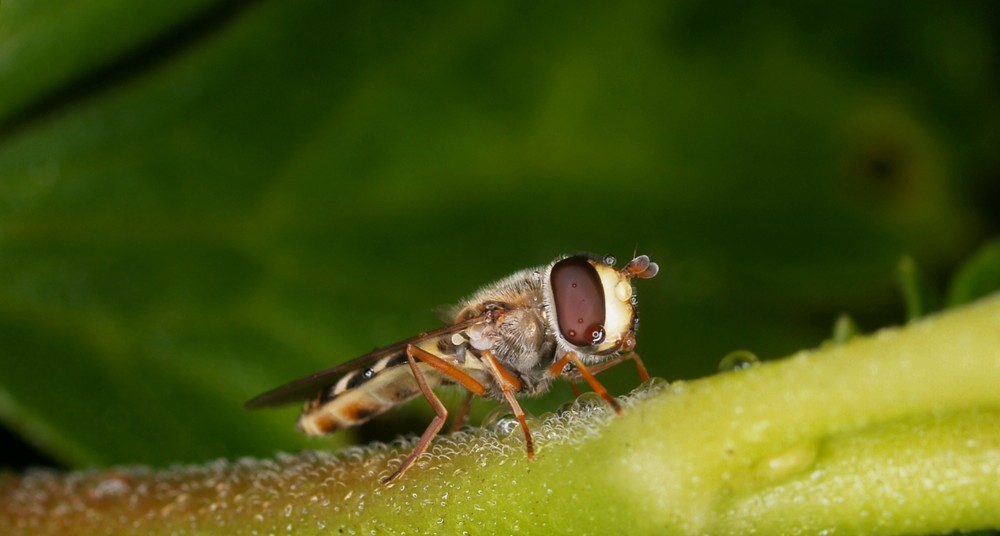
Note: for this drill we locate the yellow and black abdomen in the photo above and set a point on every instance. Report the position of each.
(363, 394)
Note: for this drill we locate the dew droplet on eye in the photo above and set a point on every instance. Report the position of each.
(738, 360)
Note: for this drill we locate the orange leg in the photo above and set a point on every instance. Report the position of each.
(509, 384)
(601, 367)
(447, 369)
(571, 357)
(440, 412)
(556, 369)
(463, 413)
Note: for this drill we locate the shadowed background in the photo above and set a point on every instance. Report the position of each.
(201, 200)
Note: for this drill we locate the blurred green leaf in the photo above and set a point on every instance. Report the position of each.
(978, 276)
(919, 296)
(49, 46)
(200, 201)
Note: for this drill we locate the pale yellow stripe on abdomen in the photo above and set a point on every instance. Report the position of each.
(389, 388)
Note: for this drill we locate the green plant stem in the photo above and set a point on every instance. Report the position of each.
(895, 433)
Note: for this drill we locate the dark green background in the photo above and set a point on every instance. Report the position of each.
(201, 200)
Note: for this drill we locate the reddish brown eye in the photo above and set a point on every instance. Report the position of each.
(596, 334)
(579, 301)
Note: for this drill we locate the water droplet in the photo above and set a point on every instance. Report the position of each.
(507, 425)
(588, 401)
(656, 383)
(564, 407)
(623, 291)
(738, 360)
(533, 422)
(499, 413)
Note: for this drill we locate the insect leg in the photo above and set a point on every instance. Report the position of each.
(556, 370)
(447, 369)
(508, 385)
(463, 413)
(601, 367)
(440, 412)
(591, 380)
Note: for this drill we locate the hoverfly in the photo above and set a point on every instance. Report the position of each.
(573, 318)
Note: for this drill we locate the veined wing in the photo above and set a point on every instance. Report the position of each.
(308, 386)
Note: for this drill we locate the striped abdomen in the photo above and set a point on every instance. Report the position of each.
(365, 393)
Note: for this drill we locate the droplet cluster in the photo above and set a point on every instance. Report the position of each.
(308, 492)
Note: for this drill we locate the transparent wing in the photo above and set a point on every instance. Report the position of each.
(306, 387)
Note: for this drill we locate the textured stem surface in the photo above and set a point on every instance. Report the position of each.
(896, 433)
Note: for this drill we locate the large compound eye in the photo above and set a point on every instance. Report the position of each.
(579, 301)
